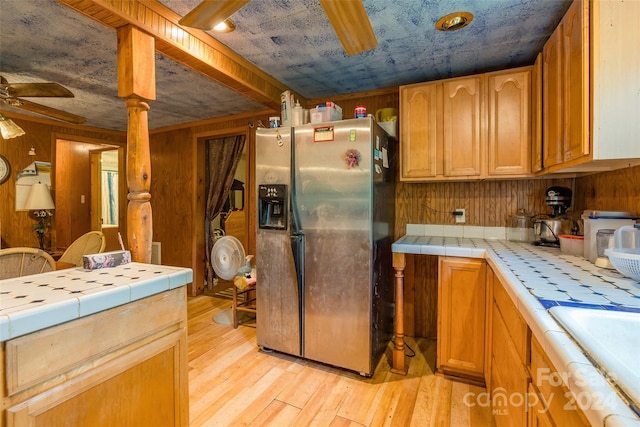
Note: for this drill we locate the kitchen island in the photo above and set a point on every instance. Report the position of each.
(100, 347)
(537, 279)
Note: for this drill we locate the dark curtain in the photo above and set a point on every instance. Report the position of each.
(222, 160)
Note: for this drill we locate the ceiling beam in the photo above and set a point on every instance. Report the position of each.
(188, 46)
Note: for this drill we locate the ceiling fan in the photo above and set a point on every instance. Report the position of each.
(12, 94)
(348, 18)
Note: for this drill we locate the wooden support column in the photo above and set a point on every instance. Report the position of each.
(398, 365)
(137, 84)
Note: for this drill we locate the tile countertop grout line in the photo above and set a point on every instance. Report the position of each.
(563, 351)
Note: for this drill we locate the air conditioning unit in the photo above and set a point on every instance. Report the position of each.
(156, 252)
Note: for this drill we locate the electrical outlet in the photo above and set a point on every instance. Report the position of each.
(460, 216)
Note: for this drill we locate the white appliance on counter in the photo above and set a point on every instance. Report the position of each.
(601, 220)
(325, 207)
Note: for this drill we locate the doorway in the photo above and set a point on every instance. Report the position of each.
(78, 190)
(105, 200)
(226, 184)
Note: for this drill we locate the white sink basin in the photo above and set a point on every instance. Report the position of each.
(611, 339)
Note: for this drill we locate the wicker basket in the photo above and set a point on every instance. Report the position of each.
(626, 261)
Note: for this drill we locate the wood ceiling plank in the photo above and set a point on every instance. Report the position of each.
(351, 24)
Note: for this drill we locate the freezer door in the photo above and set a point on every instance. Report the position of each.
(278, 295)
(333, 187)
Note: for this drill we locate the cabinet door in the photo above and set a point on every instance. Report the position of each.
(509, 123)
(562, 408)
(575, 50)
(462, 130)
(144, 387)
(419, 131)
(461, 317)
(509, 377)
(536, 115)
(552, 93)
(538, 416)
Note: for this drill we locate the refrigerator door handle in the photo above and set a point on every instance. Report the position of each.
(297, 246)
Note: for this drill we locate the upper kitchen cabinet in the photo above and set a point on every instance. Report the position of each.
(420, 127)
(591, 89)
(462, 129)
(474, 127)
(536, 115)
(509, 123)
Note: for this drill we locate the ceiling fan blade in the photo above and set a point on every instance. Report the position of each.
(210, 13)
(47, 111)
(37, 89)
(351, 24)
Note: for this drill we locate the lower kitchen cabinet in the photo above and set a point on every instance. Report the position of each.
(538, 413)
(509, 359)
(554, 402)
(126, 366)
(461, 318)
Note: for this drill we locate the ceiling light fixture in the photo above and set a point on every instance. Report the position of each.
(225, 26)
(8, 128)
(454, 21)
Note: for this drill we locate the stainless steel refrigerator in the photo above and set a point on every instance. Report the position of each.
(325, 208)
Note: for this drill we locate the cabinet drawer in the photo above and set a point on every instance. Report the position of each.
(71, 347)
(516, 326)
(561, 405)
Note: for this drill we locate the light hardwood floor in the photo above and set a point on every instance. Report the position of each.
(233, 383)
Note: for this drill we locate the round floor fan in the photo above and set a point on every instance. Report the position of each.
(227, 256)
(227, 259)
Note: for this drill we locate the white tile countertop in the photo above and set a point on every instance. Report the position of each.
(537, 279)
(32, 303)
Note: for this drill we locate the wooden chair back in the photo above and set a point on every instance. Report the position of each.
(17, 262)
(92, 242)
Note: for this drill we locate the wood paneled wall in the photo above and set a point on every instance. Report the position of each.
(178, 193)
(173, 176)
(373, 100)
(610, 191)
(487, 203)
(15, 227)
(73, 215)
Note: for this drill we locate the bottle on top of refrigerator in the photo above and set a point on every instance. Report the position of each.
(285, 108)
(296, 117)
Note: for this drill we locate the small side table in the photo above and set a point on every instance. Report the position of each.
(55, 254)
(61, 265)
